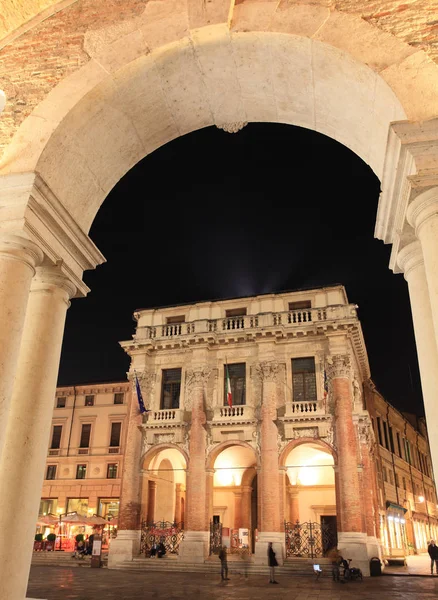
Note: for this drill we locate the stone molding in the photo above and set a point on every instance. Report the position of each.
(31, 209)
(339, 365)
(410, 258)
(423, 208)
(232, 127)
(20, 248)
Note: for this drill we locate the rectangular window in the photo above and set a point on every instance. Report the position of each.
(397, 480)
(302, 304)
(385, 432)
(81, 471)
(385, 477)
(89, 400)
(391, 439)
(56, 436)
(61, 402)
(109, 508)
(119, 397)
(111, 472)
(85, 436)
(48, 506)
(235, 312)
(237, 375)
(391, 477)
(303, 379)
(176, 320)
(115, 434)
(170, 388)
(51, 472)
(79, 505)
(408, 451)
(399, 445)
(404, 483)
(379, 430)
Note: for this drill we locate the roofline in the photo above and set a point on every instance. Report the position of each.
(92, 384)
(194, 303)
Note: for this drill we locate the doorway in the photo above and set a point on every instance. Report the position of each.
(329, 533)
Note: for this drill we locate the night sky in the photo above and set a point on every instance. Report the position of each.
(214, 215)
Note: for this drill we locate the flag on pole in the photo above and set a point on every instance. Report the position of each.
(141, 405)
(229, 394)
(325, 384)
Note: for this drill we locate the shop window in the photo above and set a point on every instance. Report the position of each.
(109, 508)
(119, 398)
(79, 505)
(170, 388)
(48, 506)
(304, 379)
(61, 402)
(111, 472)
(237, 375)
(51, 472)
(56, 437)
(115, 434)
(81, 471)
(85, 436)
(89, 400)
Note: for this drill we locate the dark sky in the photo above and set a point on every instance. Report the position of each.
(215, 215)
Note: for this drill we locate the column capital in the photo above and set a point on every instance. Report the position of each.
(197, 376)
(52, 278)
(423, 208)
(268, 370)
(410, 257)
(339, 365)
(152, 484)
(20, 248)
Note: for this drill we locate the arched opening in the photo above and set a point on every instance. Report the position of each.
(310, 516)
(235, 497)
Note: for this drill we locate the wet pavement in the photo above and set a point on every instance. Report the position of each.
(55, 583)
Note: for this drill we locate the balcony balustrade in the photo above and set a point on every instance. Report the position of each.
(233, 413)
(167, 415)
(248, 323)
(307, 407)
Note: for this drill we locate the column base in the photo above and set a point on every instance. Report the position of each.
(194, 547)
(124, 547)
(261, 547)
(354, 545)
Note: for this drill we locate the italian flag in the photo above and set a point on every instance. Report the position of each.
(229, 394)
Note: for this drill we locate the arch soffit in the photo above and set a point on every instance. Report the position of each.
(150, 454)
(325, 447)
(214, 453)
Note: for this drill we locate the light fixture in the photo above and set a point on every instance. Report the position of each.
(420, 498)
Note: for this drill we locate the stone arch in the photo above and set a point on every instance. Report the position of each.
(214, 453)
(94, 126)
(325, 447)
(151, 453)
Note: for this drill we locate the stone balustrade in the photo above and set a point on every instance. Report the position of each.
(229, 325)
(233, 413)
(168, 415)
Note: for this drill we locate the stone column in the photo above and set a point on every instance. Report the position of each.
(294, 508)
(246, 506)
(178, 494)
(270, 525)
(238, 520)
(152, 497)
(410, 260)
(351, 538)
(27, 435)
(144, 495)
(368, 490)
(196, 531)
(18, 260)
(127, 544)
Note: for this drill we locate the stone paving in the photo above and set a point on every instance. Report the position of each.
(54, 583)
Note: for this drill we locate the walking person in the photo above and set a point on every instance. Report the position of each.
(272, 562)
(433, 553)
(224, 563)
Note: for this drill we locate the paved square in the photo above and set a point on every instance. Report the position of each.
(56, 583)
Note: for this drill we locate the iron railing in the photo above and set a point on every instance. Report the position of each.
(170, 534)
(308, 540)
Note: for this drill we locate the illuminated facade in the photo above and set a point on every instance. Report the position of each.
(290, 461)
(86, 450)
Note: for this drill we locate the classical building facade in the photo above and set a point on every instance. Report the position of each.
(408, 509)
(294, 446)
(86, 450)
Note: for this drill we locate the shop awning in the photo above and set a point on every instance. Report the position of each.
(391, 506)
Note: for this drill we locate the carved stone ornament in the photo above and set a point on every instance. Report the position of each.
(268, 371)
(329, 438)
(147, 380)
(281, 443)
(305, 432)
(195, 378)
(186, 443)
(232, 127)
(338, 365)
(209, 444)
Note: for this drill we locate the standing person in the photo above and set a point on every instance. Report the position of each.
(272, 562)
(224, 563)
(433, 553)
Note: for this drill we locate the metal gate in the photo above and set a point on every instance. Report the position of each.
(308, 540)
(215, 537)
(170, 534)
